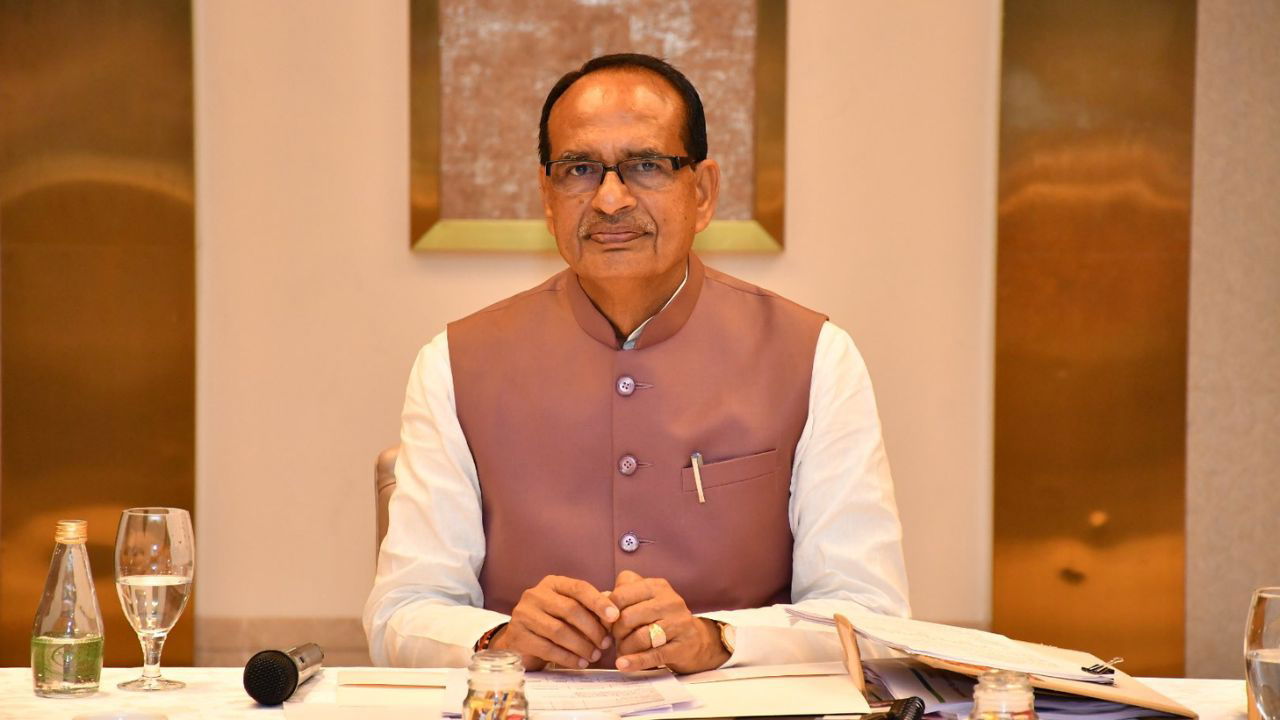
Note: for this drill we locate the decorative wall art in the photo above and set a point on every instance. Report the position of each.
(481, 69)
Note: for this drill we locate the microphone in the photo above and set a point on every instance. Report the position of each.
(272, 676)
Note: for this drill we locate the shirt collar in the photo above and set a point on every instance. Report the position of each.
(665, 323)
(630, 342)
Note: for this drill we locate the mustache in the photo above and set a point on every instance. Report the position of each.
(602, 223)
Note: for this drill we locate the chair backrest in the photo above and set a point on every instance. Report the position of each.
(384, 482)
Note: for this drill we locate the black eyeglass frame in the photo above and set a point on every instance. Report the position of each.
(678, 162)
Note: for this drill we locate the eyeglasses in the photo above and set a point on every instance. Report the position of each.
(650, 172)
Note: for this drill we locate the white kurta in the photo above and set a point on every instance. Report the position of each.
(426, 607)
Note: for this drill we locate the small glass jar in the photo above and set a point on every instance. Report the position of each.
(1003, 695)
(495, 687)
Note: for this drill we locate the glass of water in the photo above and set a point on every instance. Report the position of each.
(1262, 651)
(155, 560)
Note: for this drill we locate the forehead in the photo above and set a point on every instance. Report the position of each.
(615, 109)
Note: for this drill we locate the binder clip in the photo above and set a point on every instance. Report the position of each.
(1105, 668)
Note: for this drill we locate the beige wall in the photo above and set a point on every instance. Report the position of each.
(1233, 372)
(311, 308)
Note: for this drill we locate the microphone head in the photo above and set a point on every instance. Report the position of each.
(270, 677)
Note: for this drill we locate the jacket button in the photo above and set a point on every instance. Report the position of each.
(627, 464)
(629, 543)
(626, 385)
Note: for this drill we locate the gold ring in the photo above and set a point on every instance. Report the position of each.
(657, 636)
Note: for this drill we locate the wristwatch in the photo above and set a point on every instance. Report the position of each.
(728, 635)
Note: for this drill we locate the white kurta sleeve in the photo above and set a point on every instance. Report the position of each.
(426, 606)
(848, 539)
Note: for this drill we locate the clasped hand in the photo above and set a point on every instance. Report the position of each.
(570, 623)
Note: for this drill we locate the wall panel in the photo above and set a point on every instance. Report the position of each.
(97, 290)
(1091, 323)
(1233, 383)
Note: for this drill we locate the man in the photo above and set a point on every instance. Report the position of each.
(639, 461)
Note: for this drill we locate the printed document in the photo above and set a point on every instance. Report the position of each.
(957, 644)
(622, 693)
(951, 693)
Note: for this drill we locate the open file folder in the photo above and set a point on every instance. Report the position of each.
(1124, 689)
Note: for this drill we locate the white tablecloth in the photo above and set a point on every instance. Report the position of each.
(218, 693)
(210, 693)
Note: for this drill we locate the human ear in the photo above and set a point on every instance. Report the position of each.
(706, 178)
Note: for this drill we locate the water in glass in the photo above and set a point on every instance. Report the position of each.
(155, 562)
(1262, 652)
(1264, 681)
(153, 602)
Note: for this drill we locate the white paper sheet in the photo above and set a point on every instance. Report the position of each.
(410, 677)
(758, 671)
(388, 696)
(803, 695)
(963, 645)
(799, 689)
(611, 690)
(304, 711)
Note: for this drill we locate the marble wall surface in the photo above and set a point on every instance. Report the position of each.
(1233, 383)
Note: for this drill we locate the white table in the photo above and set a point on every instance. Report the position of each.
(218, 693)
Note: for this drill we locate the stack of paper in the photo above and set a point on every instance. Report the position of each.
(771, 696)
(802, 689)
(952, 693)
(961, 645)
(624, 694)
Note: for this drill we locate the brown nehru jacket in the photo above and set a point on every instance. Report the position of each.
(582, 449)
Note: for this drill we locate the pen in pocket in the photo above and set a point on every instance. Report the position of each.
(696, 460)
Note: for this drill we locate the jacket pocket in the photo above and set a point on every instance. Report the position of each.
(733, 470)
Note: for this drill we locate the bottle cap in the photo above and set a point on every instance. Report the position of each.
(1003, 692)
(1004, 680)
(495, 661)
(71, 532)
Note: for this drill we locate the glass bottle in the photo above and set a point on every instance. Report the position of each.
(495, 687)
(1003, 695)
(66, 638)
